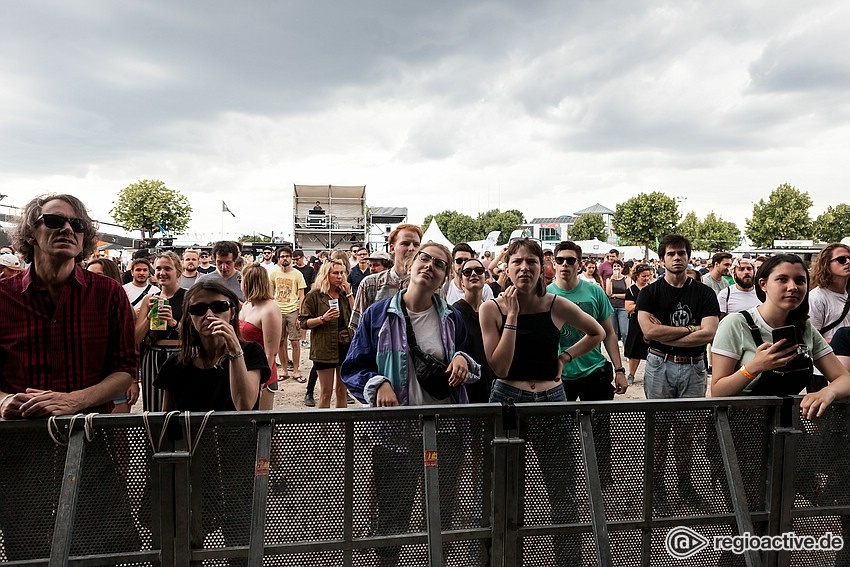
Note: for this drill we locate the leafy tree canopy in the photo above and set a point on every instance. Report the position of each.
(589, 226)
(785, 215)
(713, 234)
(503, 221)
(646, 218)
(833, 224)
(141, 205)
(456, 226)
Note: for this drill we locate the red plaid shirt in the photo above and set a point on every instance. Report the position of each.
(69, 346)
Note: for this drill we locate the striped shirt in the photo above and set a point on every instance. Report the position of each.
(67, 346)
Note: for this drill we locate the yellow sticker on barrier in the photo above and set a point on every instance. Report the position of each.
(430, 459)
(262, 468)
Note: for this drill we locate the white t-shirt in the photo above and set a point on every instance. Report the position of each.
(426, 326)
(732, 299)
(270, 267)
(453, 293)
(825, 306)
(581, 276)
(734, 339)
(134, 292)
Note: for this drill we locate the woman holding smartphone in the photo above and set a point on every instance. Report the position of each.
(326, 311)
(770, 349)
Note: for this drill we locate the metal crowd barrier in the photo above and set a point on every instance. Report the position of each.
(531, 484)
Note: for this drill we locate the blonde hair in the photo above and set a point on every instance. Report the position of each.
(256, 284)
(322, 283)
(175, 260)
(431, 244)
(343, 257)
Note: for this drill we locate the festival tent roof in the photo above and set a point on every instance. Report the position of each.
(434, 234)
(594, 247)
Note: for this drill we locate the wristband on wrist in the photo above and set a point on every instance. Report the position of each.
(620, 369)
(568, 354)
(239, 354)
(747, 374)
(509, 327)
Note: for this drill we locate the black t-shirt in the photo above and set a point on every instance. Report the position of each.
(478, 392)
(309, 275)
(208, 270)
(678, 307)
(204, 389)
(840, 342)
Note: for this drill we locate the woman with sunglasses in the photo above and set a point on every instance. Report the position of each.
(472, 284)
(213, 368)
(746, 359)
(156, 346)
(326, 311)
(521, 331)
(385, 368)
(590, 273)
(260, 321)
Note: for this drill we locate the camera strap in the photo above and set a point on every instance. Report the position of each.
(841, 317)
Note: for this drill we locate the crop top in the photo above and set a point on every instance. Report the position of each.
(536, 347)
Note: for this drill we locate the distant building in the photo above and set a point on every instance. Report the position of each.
(551, 230)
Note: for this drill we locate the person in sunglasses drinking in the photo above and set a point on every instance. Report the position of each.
(213, 369)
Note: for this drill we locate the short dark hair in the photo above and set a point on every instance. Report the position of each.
(297, 253)
(719, 257)
(283, 250)
(23, 233)
(463, 247)
(141, 261)
(674, 240)
(568, 245)
(614, 251)
(225, 247)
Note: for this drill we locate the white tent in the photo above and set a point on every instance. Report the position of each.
(434, 234)
(634, 252)
(594, 247)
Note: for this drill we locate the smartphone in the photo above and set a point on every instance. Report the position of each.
(334, 304)
(788, 332)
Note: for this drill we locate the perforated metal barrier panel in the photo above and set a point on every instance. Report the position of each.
(537, 485)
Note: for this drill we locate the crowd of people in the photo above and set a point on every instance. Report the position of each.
(417, 325)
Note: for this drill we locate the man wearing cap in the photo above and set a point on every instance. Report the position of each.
(205, 267)
(9, 265)
(379, 261)
(742, 295)
(268, 261)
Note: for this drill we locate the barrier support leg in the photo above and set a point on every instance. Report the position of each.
(66, 512)
(432, 490)
(261, 493)
(597, 503)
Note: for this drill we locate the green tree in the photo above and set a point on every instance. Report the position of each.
(833, 224)
(503, 221)
(141, 205)
(646, 218)
(456, 226)
(587, 227)
(690, 226)
(785, 215)
(716, 234)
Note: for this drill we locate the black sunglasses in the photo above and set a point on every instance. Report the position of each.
(460, 261)
(469, 271)
(841, 259)
(199, 309)
(55, 222)
(570, 260)
(425, 257)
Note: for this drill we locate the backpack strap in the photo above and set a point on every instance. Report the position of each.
(141, 296)
(754, 329)
(841, 317)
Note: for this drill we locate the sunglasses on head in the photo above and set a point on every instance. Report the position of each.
(570, 260)
(425, 257)
(215, 306)
(841, 259)
(55, 222)
(469, 271)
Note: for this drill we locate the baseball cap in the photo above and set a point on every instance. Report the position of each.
(138, 254)
(10, 261)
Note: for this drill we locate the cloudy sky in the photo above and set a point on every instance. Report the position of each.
(545, 106)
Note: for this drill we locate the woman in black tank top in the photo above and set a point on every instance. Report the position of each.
(521, 331)
(521, 328)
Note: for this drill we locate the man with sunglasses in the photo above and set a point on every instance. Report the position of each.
(404, 241)
(452, 290)
(268, 259)
(67, 346)
(829, 309)
(205, 266)
(68, 342)
(589, 377)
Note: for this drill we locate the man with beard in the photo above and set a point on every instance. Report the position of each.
(742, 295)
(190, 268)
(288, 286)
(720, 264)
(404, 242)
(678, 316)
